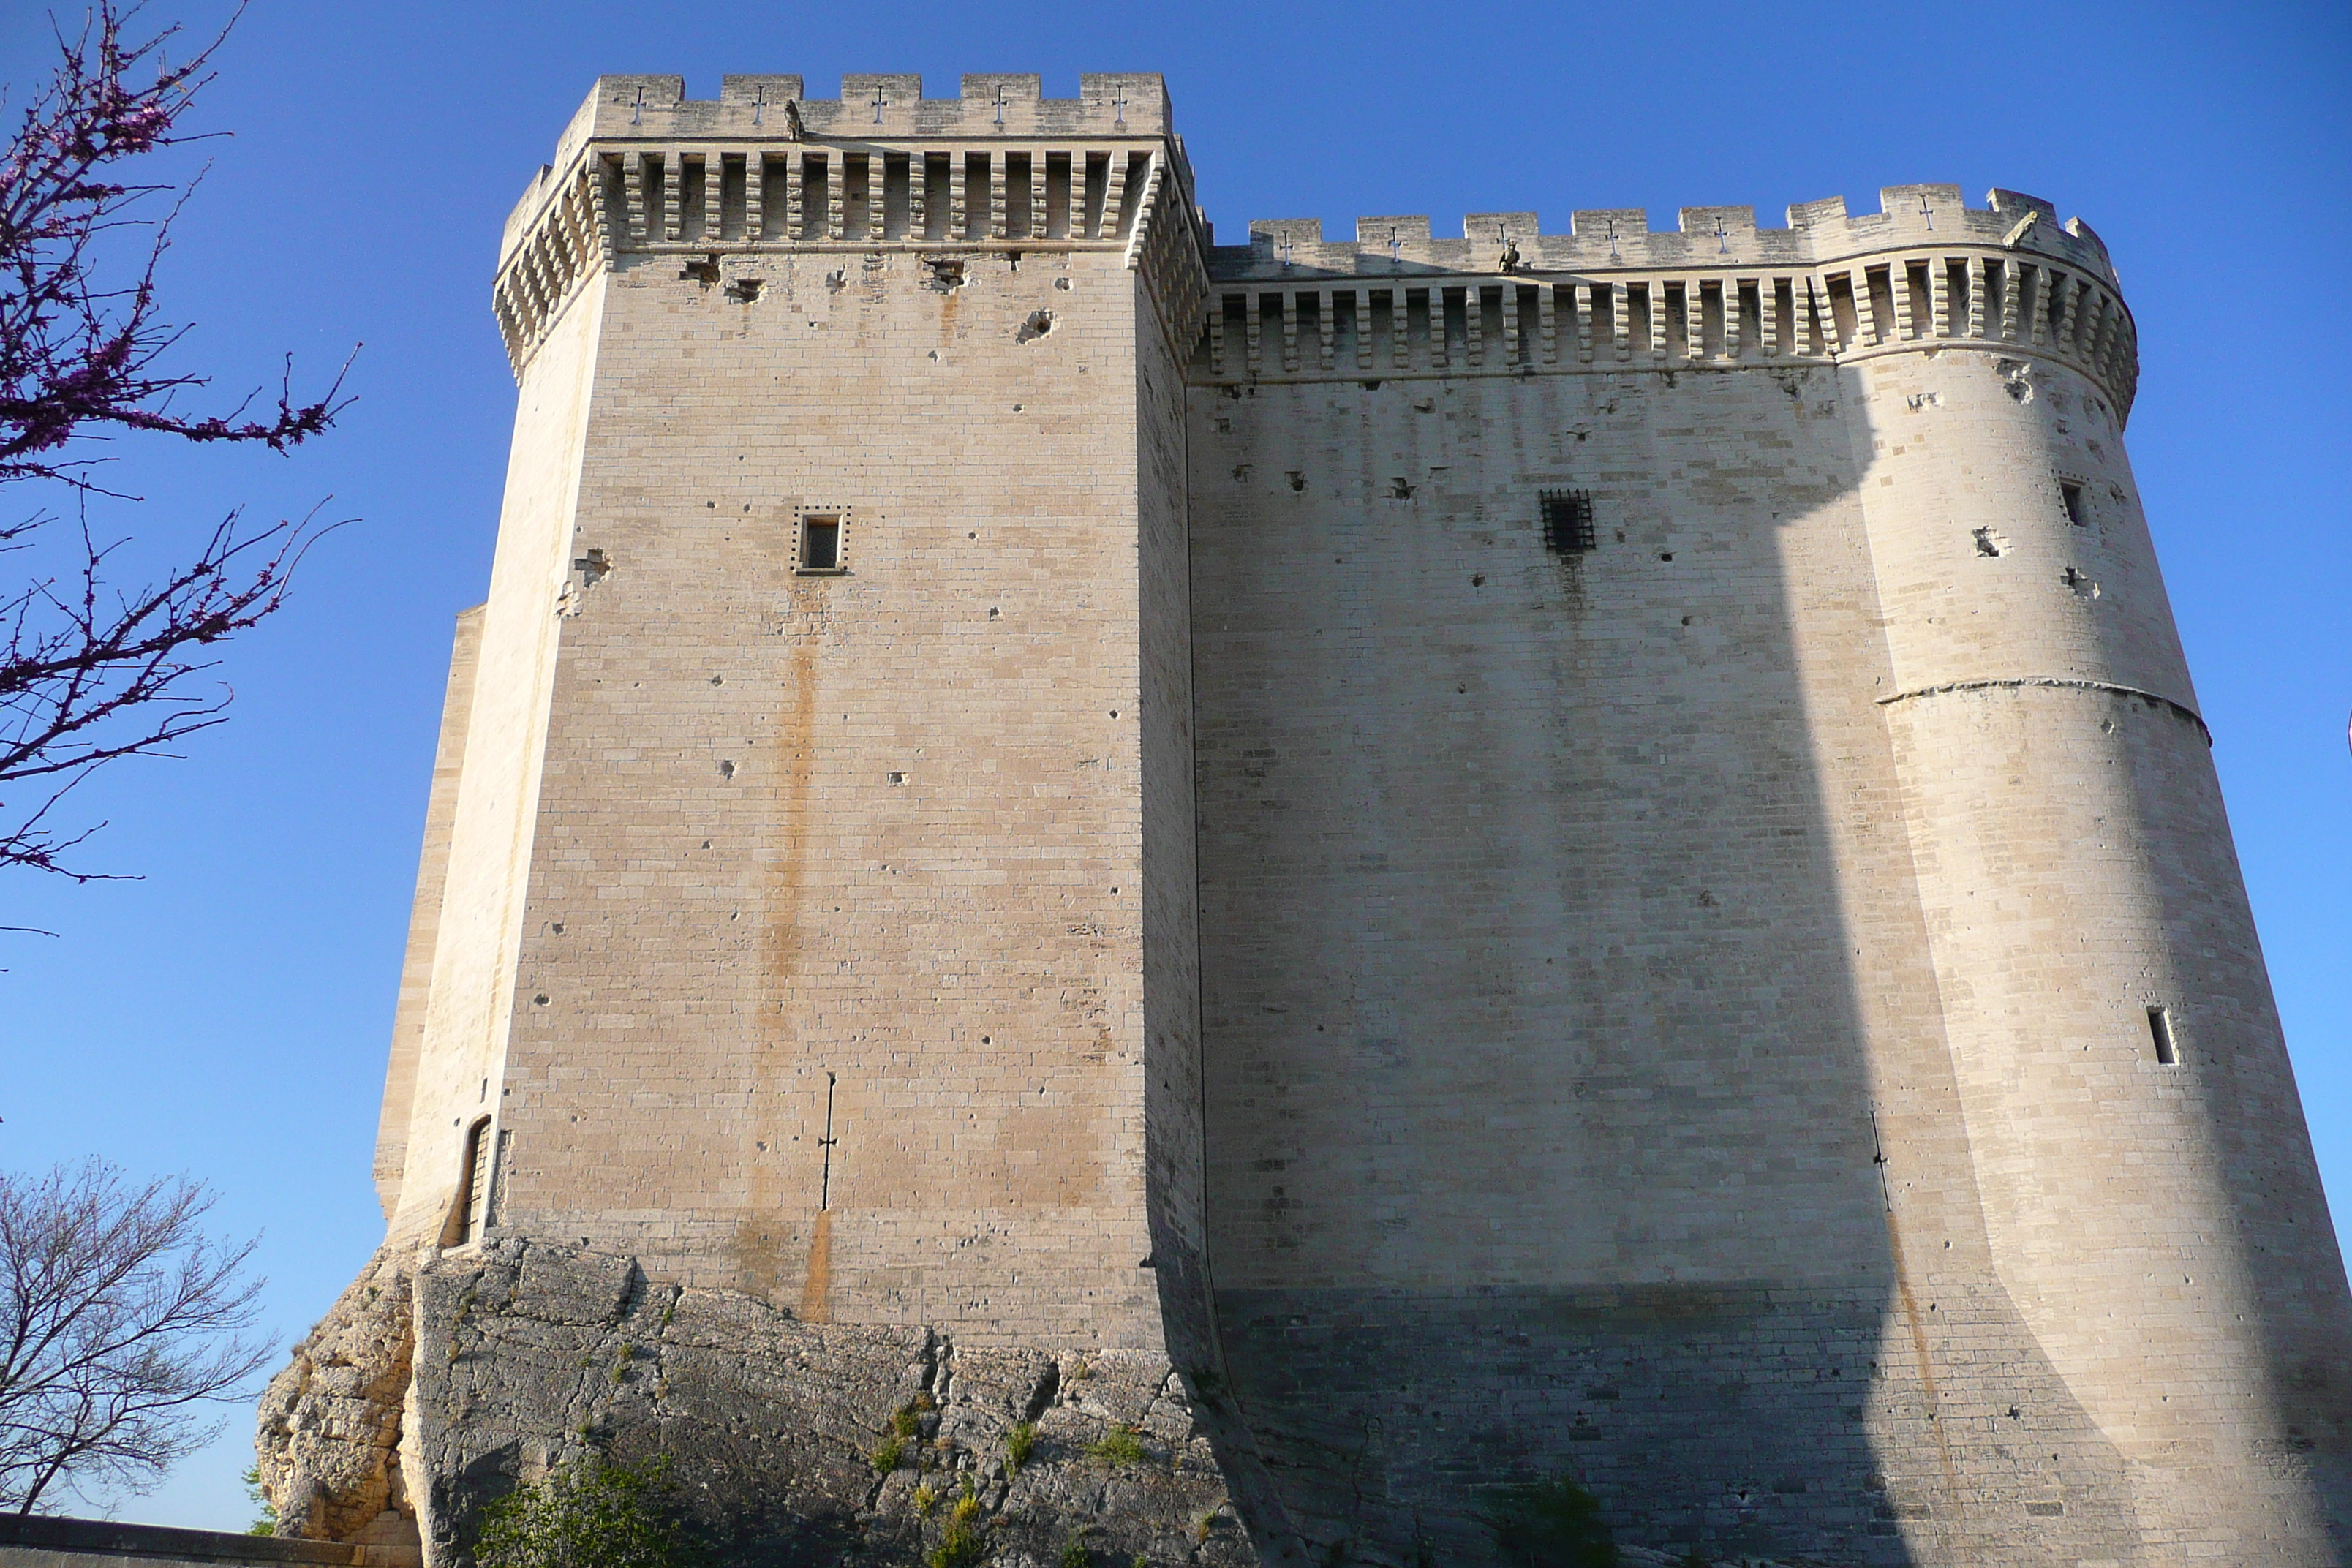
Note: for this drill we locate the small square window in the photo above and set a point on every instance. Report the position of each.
(820, 543)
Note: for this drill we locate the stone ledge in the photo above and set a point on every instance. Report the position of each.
(47, 1541)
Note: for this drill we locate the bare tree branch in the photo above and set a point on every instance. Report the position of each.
(120, 1321)
(90, 672)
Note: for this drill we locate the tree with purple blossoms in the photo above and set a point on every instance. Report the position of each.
(93, 668)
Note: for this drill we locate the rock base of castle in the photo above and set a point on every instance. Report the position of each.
(435, 1386)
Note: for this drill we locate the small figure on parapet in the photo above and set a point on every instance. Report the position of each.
(1510, 253)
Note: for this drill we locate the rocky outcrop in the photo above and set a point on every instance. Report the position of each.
(328, 1432)
(797, 1443)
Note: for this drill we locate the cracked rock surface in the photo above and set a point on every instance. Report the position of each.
(328, 1429)
(527, 1355)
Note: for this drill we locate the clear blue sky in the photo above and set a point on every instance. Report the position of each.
(227, 1015)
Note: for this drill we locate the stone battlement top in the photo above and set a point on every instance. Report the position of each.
(1910, 217)
(872, 108)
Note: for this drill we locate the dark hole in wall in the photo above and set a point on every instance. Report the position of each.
(732, 195)
(937, 191)
(2160, 1032)
(1845, 315)
(820, 544)
(2071, 495)
(1452, 312)
(859, 186)
(768, 221)
(1057, 195)
(693, 189)
(652, 173)
(815, 175)
(898, 194)
(1923, 299)
(1097, 191)
(978, 171)
(1018, 172)
(1882, 303)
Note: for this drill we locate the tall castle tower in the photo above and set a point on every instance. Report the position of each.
(1530, 855)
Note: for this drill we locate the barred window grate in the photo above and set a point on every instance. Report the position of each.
(1568, 522)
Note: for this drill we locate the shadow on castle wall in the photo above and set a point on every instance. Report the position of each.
(1555, 949)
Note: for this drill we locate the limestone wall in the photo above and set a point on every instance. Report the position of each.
(424, 914)
(1646, 1037)
(1548, 943)
(2153, 1201)
(461, 1046)
(832, 980)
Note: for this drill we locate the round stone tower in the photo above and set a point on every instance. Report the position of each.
(2147, 1186)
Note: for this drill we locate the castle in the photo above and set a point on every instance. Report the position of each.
(1468, 859)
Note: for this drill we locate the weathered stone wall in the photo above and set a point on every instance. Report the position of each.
(1646, 1039)
(832, 980)
(424, 914)
(1586, 1116)
(461, 1045)
(2159, 1221)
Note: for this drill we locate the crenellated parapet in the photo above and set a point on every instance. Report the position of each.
(644, 170)
(1719, 291)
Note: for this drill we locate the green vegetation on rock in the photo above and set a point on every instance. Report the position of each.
(1551, 1524)
(961, 1542)
(591, 1513)
(1119, 1445)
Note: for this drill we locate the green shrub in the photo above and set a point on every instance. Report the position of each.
(1551, 1524)
(886, 1457)
(590, 1514)
(266, 1519)
(1020, 1443)
(1074, 1553)
(926, 1499)
(1119, 1445)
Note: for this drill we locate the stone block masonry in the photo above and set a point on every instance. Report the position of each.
(1466, 859)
